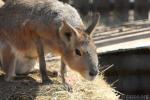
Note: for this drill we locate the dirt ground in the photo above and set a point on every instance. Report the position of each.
(30, 88)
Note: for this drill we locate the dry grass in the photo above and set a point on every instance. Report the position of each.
(83, 89)
(31, 89)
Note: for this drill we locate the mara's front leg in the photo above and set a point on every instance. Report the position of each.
(63, 71)
(42, 63)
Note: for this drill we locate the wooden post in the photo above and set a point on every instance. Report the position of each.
(149, 15)
(122, 8)
(141, 9)
(82, 5)
(102, 5)
(122, 4)
(131, 15)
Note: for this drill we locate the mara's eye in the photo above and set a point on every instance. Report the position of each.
(68, 35)
(77, 51)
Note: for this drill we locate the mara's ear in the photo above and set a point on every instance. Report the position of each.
(91, 28)
(67, 33)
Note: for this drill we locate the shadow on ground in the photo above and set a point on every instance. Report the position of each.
(29, 87)
(24, 88)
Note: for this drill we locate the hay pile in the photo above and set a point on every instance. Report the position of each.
(82, 89)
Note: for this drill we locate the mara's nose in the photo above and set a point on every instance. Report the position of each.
(93, 72)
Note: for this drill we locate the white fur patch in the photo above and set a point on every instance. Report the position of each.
(23, 65)
(17, 53)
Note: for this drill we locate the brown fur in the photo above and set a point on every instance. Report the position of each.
(28, 27)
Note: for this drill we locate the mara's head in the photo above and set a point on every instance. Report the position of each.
(79, 50)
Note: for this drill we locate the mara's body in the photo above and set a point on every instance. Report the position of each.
(21, 20)
(59, 28)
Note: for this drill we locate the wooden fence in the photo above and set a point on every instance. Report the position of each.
(103, 5)
(140, 8)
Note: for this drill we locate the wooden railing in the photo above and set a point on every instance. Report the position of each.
(103, 5)
(140, 8)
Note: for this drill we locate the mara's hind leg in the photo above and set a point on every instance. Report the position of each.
(8, 63)
(25, 65)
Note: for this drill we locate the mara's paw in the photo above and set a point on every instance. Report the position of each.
(68, 87)
(9, 78)
(47, 81)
